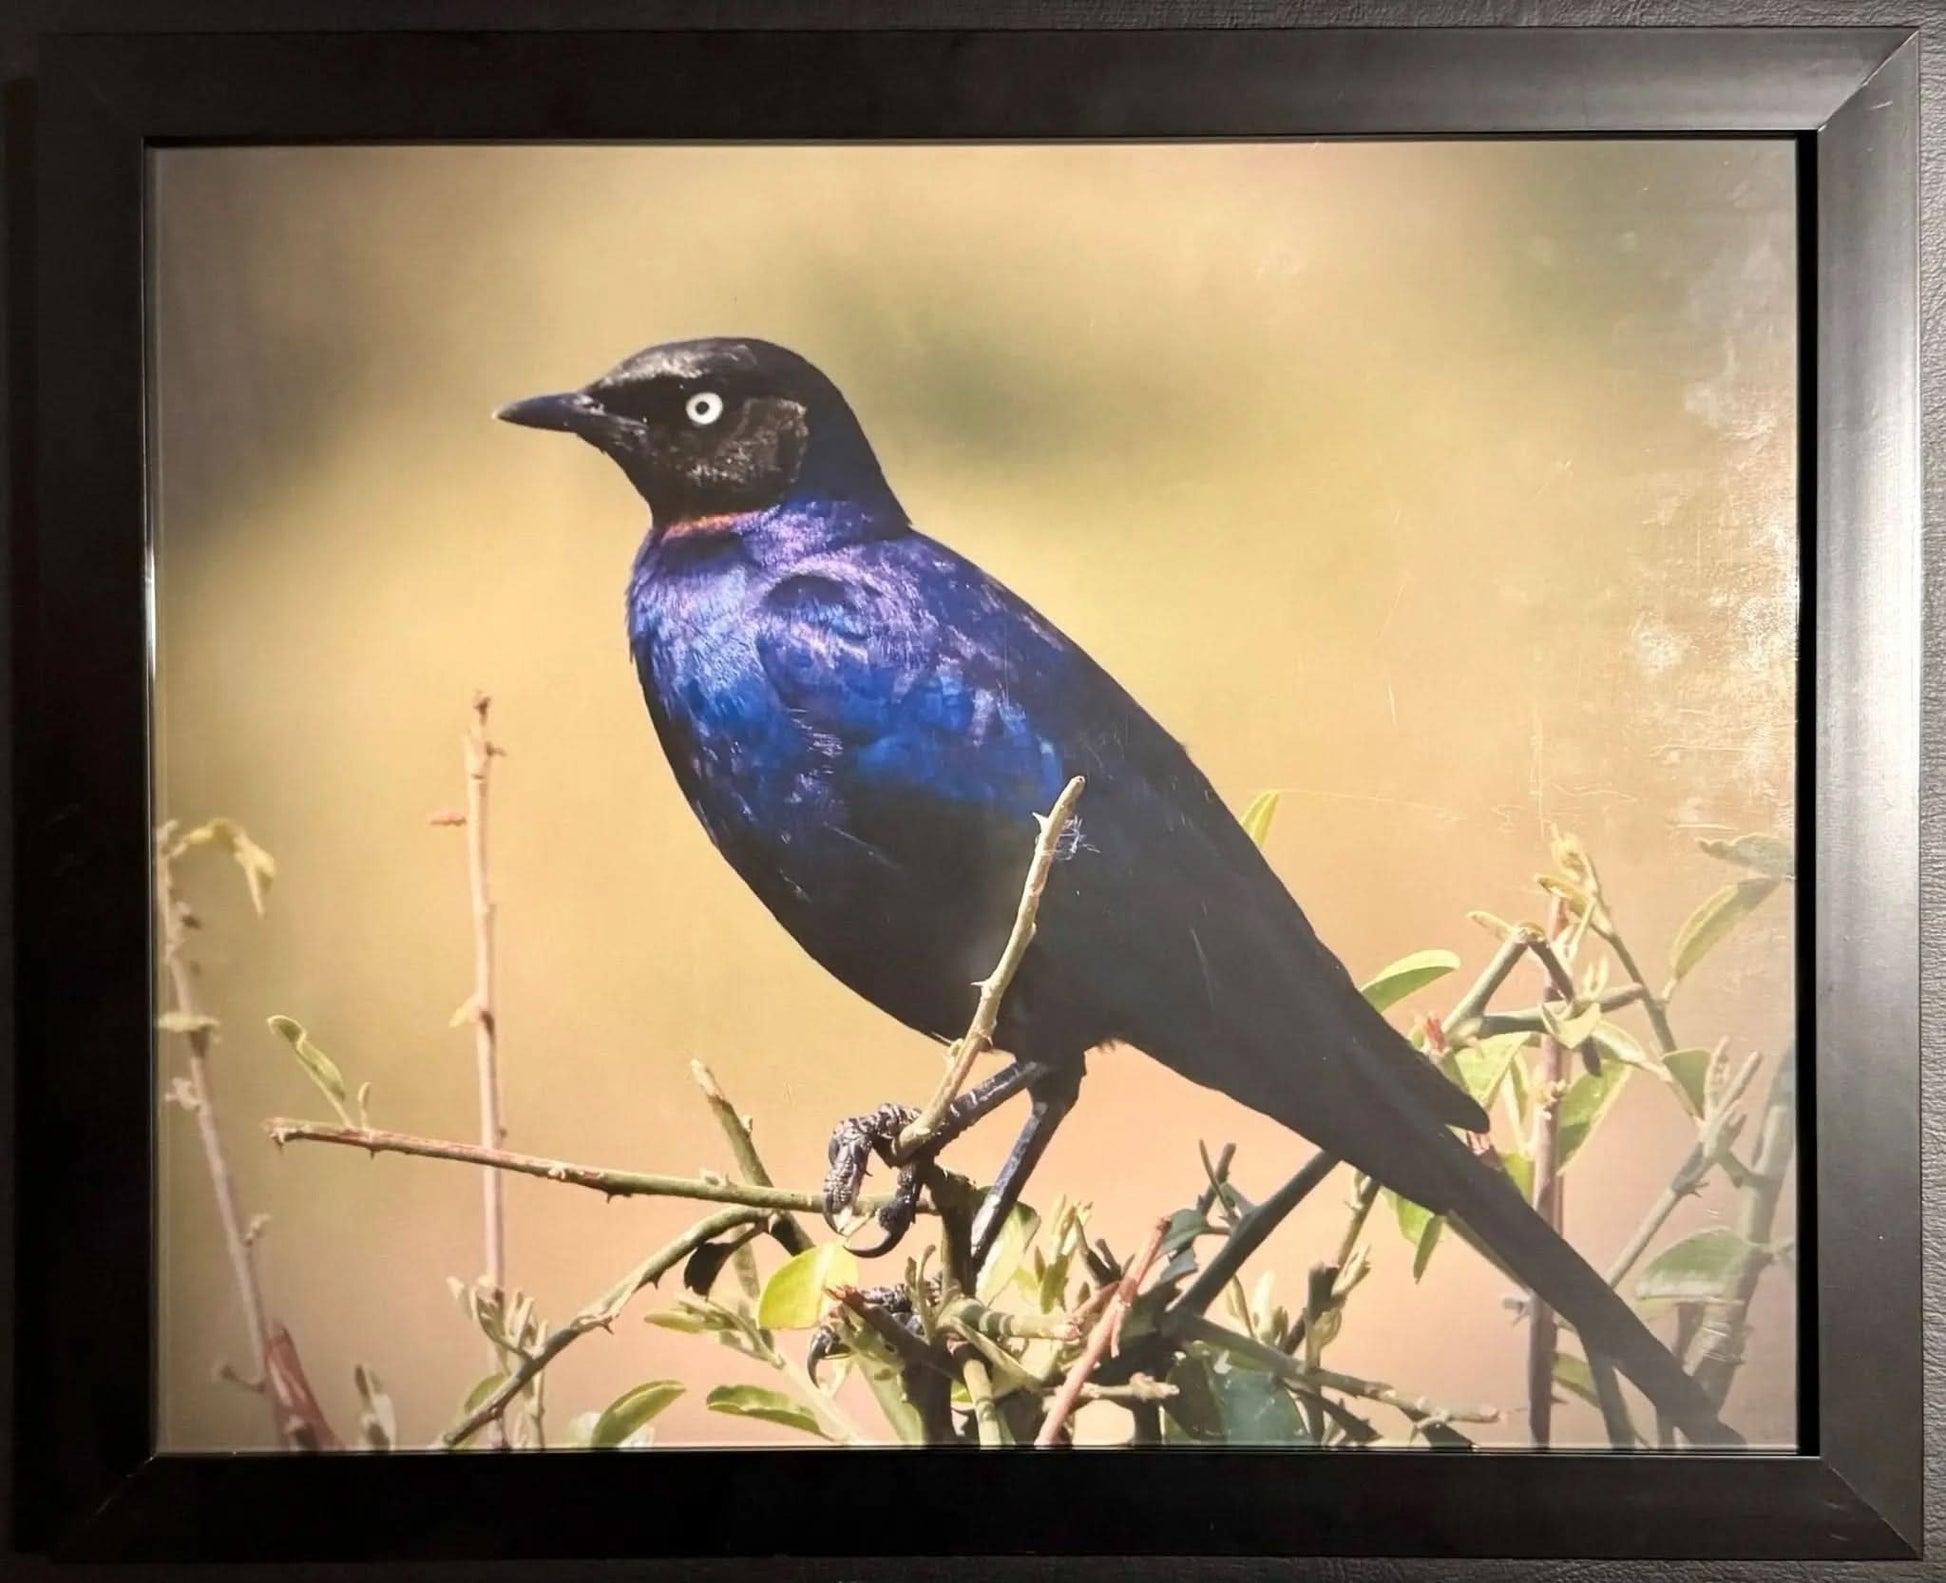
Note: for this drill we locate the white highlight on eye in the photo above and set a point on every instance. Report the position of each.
(703, 408)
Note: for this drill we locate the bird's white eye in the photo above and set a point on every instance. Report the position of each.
(705, 407)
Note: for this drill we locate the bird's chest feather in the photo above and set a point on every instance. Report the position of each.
(754, 775)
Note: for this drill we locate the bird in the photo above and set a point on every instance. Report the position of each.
(866, 724)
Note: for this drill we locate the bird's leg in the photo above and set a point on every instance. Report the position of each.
(1051, 1105)
(856, 1140)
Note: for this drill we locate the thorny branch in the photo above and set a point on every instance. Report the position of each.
(598, 1315)
(1054, 1425)
(1726, 1323)
(614, 1184)
(1542, 1332)
(480, 752)
(978, 1038)
(294, 1410)
(743, 1148)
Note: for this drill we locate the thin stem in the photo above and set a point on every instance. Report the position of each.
(598, 1315)
(1138, 1388)
(1361, 1209)
(1763, 1188)
(979, 1391)
(1248, 1235)
(1542, 1333)
(1718, 1134)
(978, 1038)
(1069, 1395)
(1474, 1000)
(615, 1184)
(201, 1102)
(911, 1352)
(744, 1149)
(1655, 1005)
(479, 755)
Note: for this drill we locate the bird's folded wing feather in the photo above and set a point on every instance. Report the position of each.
(966, 715)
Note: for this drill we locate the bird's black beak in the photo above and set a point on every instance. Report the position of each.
(571, 411)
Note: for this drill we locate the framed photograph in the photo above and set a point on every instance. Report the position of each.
(1172, 774)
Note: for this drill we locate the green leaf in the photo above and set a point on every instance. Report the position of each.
(1711, 923)
(477, 1397)
(1256, 1408)
(1520, 1171)
(378, 1421)
(1587, 1100)
(701, 1269)
(1408, 974)
(1428, 1240)
(758, 1401)
(187, 1022)
(794, 1298)
(1704, 1265)
(1217, 1402)
(1767, 854)
(1494, 925)
(628, 1413)
(1257, 817)
(1572, 1375)
(886, 1381)
(1481, 1068)
(1573, 1031)
(688, 1322)
(480, 1392)
(1010, 1246)
(1618, 1044)
(1420, 1227)
(318, 1066)
(1690, 1069)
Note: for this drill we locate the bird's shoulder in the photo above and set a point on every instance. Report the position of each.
(907, 620)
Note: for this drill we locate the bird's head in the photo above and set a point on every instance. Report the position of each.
(717, 430)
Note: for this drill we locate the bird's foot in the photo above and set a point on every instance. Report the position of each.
(895, 1302)
(853, 1143)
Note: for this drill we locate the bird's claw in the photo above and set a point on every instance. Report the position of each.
(853, 1143)
(828, 1341)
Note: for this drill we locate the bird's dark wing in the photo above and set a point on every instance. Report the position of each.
(953, 719)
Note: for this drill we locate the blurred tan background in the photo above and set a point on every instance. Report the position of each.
(1448, 487)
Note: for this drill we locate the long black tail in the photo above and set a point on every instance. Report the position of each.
(1490, 1207)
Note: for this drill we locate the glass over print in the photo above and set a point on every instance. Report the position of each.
(1408, 530)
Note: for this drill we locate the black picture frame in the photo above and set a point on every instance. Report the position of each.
(87, 1484)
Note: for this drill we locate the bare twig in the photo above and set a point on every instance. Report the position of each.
(1543, 1333)
(1138, 1388)
(615, 1184)
(978, 1038)
(484, 1007)
(1106, 1326)
(1726, 1323)
(1249, 1233)
(300, 1420)
(1718, 1134)
(1655, 1005)
(294, 1408)
(1488, 984)
(744, 1149)
(979, 1392)
(598, 1315)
